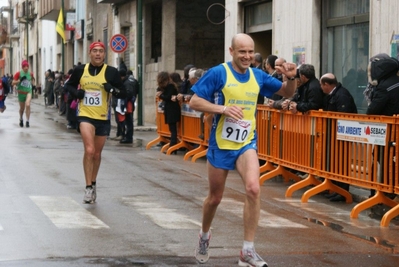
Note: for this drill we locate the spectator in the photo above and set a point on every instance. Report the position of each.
(168, 93)
(132, 89)
(383, 94)
(337, 98)
(309, 95)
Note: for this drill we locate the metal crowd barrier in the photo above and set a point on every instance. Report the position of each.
(193, 133)
(356, 149)
(351, 148)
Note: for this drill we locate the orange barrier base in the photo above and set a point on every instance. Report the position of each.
(280, 170)
(310, 180)
(176, 147)
(156, 141)
(199, 149)
(266, 167)
(199, 155)
(326, 185)
(389, 215)
(165, 148)
(378, 198)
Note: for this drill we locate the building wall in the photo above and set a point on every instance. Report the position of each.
(48, 49)
(384, 22)
(297, 27)
(200, 35)
(102, 15)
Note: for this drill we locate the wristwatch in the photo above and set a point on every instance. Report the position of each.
(291, 79)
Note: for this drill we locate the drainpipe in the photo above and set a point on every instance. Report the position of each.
(62, 41)
(139, 11)
(27, 29)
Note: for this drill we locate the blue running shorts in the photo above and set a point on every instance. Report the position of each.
(226, 159)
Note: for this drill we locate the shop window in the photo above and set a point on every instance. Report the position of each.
(257, 16)
(347, 32)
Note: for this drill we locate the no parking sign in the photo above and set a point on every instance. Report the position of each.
(118, 43)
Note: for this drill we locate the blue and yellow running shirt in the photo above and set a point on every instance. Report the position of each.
(96, 103)
(222, 85)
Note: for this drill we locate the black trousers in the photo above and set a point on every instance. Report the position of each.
(173, 133)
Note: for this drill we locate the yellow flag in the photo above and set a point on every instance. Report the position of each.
(60, 28)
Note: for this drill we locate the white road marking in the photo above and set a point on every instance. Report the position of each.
(66, 213)
(1, 227)
(160, 215)
(266, 219)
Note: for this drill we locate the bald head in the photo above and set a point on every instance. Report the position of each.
(328, 82)
(329, 78)
(242, 51)
(279, 63)
(239, 38)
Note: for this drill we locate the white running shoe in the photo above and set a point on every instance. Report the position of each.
(249, 258)
(88, 197)
(201, 252)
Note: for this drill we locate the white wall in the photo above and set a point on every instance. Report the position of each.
(384, 21)
(49, 43)
(297, 26)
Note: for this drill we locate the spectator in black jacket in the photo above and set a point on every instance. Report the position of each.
(309, 95)
(383, 94)
(168, 93)
(337, 98)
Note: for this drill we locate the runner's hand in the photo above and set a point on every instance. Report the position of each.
(22, 79)
(108, 87)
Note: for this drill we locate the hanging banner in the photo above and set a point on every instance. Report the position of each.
(70, 21)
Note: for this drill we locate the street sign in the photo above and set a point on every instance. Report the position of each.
(118, 43)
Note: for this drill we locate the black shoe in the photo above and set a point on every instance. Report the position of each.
(27, 124)
(21, 123)
(125, 141)
(337, 198)
(331, 195)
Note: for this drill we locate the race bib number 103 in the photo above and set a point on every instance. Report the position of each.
(93, 98)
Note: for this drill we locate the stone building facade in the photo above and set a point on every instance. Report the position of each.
(335, 36)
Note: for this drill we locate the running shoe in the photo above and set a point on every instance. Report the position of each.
(249, 258)
(27, 124)
(201, 252)
(88, 197)
(21, 123)
(94, 193)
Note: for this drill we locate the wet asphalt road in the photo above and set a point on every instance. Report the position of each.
(148, 209)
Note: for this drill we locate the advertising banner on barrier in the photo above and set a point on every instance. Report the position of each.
(362, 132)
(187, 111)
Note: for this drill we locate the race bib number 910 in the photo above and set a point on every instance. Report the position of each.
(236, 131)
(93, 98)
